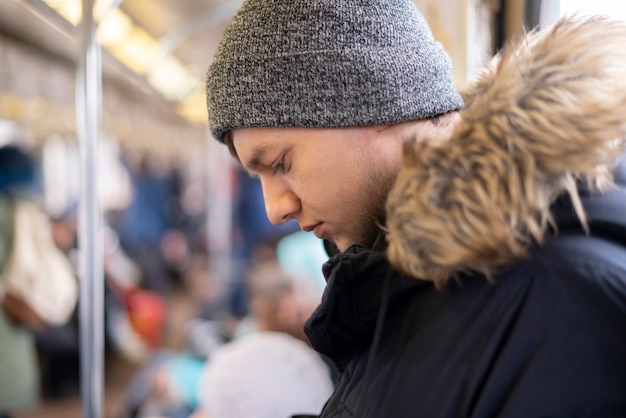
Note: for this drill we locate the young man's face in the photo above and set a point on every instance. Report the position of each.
(333, 182)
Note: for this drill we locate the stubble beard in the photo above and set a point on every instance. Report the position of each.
(376, 188)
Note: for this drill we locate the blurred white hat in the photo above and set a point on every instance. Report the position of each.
(264, 375)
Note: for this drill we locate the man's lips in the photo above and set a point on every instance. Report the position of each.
(317, 229)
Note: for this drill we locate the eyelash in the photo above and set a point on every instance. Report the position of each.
(280, 165)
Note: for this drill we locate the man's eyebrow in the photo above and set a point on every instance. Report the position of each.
(253, 163)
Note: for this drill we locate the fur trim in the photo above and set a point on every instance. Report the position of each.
(549, 111)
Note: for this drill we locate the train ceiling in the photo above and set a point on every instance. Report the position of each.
(159, 48)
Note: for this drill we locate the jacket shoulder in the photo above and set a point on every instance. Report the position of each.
(587, 262)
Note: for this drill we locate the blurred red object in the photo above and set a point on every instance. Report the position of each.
(146, 314)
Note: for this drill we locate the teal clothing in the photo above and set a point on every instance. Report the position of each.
(302, 254)
(19, 378)
(185, 370)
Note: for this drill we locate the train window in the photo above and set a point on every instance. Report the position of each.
(545, 12)
(594, 7)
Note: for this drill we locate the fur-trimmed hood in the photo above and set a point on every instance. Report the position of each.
(546, 115)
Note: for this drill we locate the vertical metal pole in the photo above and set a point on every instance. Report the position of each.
(91, 303)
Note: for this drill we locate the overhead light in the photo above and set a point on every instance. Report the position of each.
(172, 79)
(138, 50)
(135, 48)
(71, 10)
(114, 28)
(104, 7)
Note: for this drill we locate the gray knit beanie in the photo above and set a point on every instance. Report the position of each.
(327, 63)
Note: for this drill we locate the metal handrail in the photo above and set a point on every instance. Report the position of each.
(91, 302)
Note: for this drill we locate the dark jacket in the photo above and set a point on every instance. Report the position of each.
(538, 332)
(546, 339)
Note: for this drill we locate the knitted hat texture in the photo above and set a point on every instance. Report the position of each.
(327, 63)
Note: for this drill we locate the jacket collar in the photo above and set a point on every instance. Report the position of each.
(343, 325)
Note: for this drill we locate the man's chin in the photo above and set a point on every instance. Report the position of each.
(365, 238)
(342, 246)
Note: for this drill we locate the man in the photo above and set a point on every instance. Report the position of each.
(505, 221)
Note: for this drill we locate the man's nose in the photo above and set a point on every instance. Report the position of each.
(281, 203)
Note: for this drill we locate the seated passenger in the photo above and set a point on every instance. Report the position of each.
(271, 372)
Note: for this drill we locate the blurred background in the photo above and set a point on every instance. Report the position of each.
(181, 225)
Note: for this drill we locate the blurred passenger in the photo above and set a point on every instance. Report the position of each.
(37, 284)
(273, 351)
(271, 372)
(303, 254)
(174, 370)
(58, 346)
(146, 221)
(134, 317)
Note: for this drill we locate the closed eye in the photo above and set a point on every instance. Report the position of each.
(279, 166)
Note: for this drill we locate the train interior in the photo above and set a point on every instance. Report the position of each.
(178, 220)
